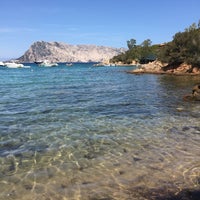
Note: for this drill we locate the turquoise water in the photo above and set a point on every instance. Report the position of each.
(87, 132)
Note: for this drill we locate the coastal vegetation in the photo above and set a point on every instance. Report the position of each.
(142, 53)
(184, 48)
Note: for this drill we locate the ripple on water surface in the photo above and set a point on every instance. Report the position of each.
(96, 133)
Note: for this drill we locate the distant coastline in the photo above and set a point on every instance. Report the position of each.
(62, 52)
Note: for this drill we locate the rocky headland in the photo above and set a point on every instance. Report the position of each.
(156, 67)
(62, 52)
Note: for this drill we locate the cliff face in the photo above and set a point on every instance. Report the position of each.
(61, 52)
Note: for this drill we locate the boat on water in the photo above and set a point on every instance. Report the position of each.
(69, 64)
(2, 64)
(38, 62)
(104, 65)
(13, 65)
(46, 63)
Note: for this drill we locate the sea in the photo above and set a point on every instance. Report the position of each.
(97, 133)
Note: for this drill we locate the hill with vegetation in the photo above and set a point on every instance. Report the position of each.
(184, 49)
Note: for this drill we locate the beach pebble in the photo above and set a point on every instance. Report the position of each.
(179, 109)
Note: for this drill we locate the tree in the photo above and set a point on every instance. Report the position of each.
(143, 53)
(146, 43)
(191, 28)
(131, 44)
(184, 48)
(146, 51)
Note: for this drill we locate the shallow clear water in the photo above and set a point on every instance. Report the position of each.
(86, 132)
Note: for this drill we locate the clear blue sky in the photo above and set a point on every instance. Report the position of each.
(99, 22)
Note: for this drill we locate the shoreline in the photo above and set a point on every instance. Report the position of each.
(136, 72)
(159, 68)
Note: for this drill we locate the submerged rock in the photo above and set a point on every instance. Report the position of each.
(195, 96)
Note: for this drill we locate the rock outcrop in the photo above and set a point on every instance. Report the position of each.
(152, 67)
(61, 52)
(156, 67)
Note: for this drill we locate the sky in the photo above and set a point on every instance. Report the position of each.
(99, 22)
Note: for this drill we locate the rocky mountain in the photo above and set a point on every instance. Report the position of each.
(61, 52)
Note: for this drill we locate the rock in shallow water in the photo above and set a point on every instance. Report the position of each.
(195, 96)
